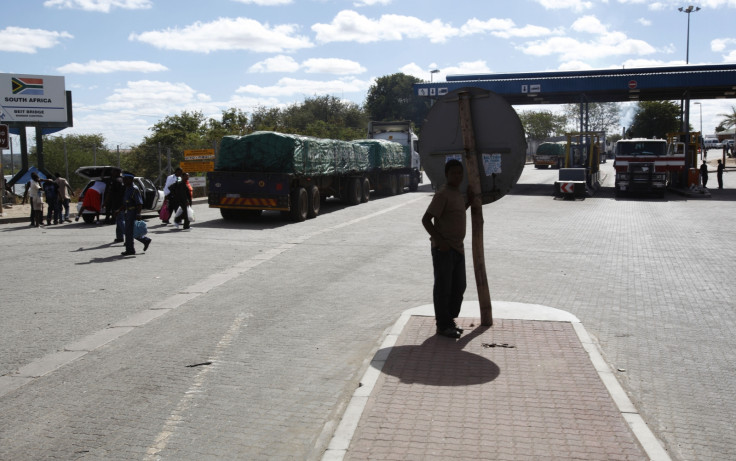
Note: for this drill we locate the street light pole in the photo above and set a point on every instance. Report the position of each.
(431, 74)
(701, 116)
(688, 10)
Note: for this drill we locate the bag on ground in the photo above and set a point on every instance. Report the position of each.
(140, 229)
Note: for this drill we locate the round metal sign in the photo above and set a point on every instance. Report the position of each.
(500, 142)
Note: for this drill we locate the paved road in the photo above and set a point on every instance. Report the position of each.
(288, 314)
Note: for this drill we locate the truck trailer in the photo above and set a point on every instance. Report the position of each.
(291, 173)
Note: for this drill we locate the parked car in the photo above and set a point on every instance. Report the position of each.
(153, 198)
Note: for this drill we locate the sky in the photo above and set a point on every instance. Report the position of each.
(130, 63)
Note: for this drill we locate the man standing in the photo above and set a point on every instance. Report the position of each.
(64, 196)
(51, 190)
(704, 173)
(719, 174)
(132, 205)
(447, 233)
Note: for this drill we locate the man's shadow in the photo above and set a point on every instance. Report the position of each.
(441, 361)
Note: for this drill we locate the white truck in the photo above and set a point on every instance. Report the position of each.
(400, 132)
(646, 165)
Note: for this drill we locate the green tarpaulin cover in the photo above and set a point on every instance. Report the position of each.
(385, 154)
(271, 152)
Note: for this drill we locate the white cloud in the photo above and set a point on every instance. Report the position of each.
(227, 34)
(504, 28)
(720, 44)
(589, 24)
(349, 26)
(151, 96)
(312, 66)
(102, 6)
(265, 2)
(279, 63)
(575, 65)
(287, 87)
(333, 66)
(415, 70)
(644, 22)
(106, 67)
(360, 3)
(23, 40)
(730, 57)
(575, 5)
(605, 43)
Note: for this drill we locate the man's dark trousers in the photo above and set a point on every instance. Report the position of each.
(130, 216)
(449, 286)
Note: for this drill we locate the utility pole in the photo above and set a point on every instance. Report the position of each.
(476, 209)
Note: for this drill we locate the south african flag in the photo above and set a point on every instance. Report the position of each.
(27, 85)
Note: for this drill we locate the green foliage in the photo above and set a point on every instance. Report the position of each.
(604, 116)
(729, 120)
(392, 98)
(654, 119)
(542, 124)
(325, 117)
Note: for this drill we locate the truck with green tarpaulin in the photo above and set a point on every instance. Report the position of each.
(291, 173)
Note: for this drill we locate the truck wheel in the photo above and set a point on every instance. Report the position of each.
(228, 214)
(355, 191)
(313, 202)
(298, 204)
(89, 218)
(366, 190)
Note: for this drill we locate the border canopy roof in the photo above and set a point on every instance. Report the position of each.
(610, 85)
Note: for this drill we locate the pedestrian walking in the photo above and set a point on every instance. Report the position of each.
(182, 196)
(170, 180)
(115, 193)
(51, 191)
(719, 174)
(35, 194)
(131, 207)
(64, 197)
(704, 173)
(444, 220)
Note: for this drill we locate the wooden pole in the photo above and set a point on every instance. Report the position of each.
(476, 209)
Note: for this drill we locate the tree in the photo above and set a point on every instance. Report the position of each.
(81, 150)
(542, 125)
(603, 116)
(392, 98)
(654, 119)
(729, 120)
(233, 122)
(326, 117)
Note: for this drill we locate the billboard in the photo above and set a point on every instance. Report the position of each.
(32, 99)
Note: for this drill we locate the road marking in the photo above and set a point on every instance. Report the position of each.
(178, 415)
(73, 351)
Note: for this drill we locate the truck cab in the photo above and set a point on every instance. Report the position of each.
(402, 133)
(643, 165)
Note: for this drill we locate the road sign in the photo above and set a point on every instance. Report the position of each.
(632, 84)
(4, 138)
(567, 187)
(199, 154)
(191, 167)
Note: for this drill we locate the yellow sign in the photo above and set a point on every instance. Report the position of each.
(199, 154)
(192, 167)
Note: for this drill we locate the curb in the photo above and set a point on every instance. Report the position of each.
(342, 437)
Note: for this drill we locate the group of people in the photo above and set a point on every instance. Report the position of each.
(719, 173)
(178, 193)
(122, 200)
(57, 194)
